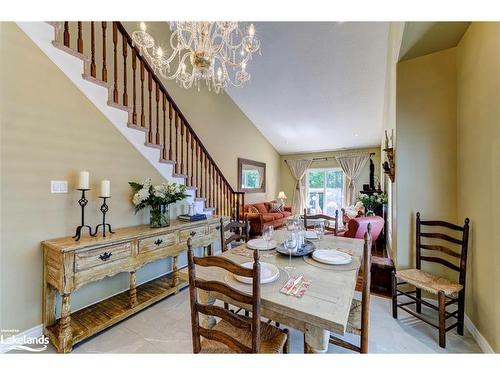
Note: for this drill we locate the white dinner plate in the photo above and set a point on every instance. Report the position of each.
(268, 273)
(331, 256)
(260, 244)
(310, 235)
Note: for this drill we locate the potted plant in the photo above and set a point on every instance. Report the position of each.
(373, 201)
(158, 198)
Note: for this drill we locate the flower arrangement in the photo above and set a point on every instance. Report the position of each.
(371, 202)
(158, 198)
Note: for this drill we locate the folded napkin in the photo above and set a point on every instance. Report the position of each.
(296, 286)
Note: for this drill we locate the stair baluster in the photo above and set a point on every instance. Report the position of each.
(134, 94)
(104, 73)
(164, 149)
(79, 42)
(115, 62)
(158, 139)
(150, 116)
(143, 117)
(124, 53)
(92, 50)
(66, 34)
(182, 147)
(176, 142)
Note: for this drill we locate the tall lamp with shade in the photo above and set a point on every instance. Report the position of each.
(282, 197)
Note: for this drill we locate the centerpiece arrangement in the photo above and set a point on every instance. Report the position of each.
(158, 198)
(373, 201)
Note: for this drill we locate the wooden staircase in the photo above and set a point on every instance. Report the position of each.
(111, 61)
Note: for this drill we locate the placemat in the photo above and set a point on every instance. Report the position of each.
(244, 251)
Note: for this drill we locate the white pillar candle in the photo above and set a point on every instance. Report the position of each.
(83, 180)
(105, 188)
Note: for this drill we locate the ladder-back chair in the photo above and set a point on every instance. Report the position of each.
(447, 291)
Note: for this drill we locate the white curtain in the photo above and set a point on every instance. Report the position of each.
(352, 165)
(299, 168)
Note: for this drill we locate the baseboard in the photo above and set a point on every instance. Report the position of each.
(32, 332)
(481, 341)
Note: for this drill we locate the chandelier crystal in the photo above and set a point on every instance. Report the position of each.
(214, 52)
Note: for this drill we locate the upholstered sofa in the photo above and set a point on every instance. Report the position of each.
(357, 227)
(264, 217)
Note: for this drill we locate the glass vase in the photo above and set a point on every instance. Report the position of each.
(159, 216)
(370, 213)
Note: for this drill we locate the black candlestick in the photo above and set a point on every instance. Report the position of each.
(104, 209)
(82, 202)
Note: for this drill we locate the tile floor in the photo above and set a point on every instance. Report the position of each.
(165, 328)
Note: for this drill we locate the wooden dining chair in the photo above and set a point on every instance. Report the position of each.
(359, 315)
(239, 232)
(447, 291)
(233, 333)
(334, 230)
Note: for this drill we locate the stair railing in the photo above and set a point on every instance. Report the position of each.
(135, 87)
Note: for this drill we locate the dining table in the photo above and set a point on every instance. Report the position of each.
(322, 309)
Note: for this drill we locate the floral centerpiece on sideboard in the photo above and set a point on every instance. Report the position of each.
(372, 201)
(158, 198)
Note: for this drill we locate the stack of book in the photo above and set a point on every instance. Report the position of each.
(196, 217)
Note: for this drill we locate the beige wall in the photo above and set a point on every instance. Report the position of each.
(287, 182)
(425, 146)
(389, 122)
(50, 131)
(222, 126)
(478, 83)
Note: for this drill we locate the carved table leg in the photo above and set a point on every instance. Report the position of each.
(65, 331)
(316, 340)
(207, 321)
(133, 289)
(175, 272)
(49, 305)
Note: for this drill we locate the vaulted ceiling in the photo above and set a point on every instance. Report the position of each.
(318, 85)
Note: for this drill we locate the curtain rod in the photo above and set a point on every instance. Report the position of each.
(331, 157)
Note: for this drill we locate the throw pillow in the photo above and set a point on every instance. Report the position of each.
(253, 210)
(276, 207)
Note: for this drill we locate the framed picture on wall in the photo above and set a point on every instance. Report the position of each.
(251, 176)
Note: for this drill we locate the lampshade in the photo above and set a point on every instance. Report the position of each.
(281, 195)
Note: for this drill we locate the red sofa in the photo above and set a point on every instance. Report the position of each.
(264, 217)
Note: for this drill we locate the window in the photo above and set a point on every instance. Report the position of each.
(251, 179)
(325, 190)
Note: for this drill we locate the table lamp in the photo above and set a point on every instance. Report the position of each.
(282, 197)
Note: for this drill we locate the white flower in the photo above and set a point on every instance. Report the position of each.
(146, 184)
(143, 194)
(136, 199)
(160, 191)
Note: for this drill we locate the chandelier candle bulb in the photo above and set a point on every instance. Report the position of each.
(251, 30)
(83, 180)
(143, 26)
(105, 189)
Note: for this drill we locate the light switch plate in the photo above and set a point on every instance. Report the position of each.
(58, 187)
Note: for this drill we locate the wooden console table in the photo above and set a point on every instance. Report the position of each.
(69, 264)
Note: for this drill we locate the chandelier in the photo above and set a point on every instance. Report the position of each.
(214, 52)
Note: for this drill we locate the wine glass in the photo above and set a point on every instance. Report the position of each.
(319, 228)
(267, 234)
(290, 244)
